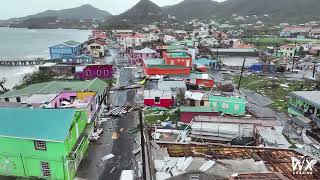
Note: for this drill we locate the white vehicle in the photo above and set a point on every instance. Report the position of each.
(127, 175)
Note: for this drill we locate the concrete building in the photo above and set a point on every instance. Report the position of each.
(69, 48)
(42, 143)
(305, 103)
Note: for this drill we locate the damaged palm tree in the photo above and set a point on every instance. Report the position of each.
(3, 88)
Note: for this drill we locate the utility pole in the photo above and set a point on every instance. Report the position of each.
(242, 69)
(314, 69)
(144, 173)
(217, 54)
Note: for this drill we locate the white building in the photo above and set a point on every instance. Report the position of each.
(129, 40)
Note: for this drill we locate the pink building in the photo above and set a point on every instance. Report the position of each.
(94, 71)
(78, 100)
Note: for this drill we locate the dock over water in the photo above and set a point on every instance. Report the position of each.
(22, 62)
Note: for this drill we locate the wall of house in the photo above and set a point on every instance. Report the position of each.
(56, 103)
(226, 129)
(76, 129)
(57, 52)
(163, 102)
(228, 106)
(186, 117)
(169, 71)
(13, 99)
(18, 157)
(205, 82)
(77, 143)
(179, 61)
(106, 72)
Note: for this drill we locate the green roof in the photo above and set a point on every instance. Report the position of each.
(36, 124)
(54, 87)
(178, 55)
(153, 61)
(166, 66)
(232, 99)
(72, 43)
(196, 109)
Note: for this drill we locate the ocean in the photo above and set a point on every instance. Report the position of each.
(31, 43)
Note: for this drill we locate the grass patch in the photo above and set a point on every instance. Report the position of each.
(277, 90)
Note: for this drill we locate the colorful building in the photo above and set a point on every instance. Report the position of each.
(189, 112)
(207, 63)
(178, 58)
(137, 56)
(42, 143)
(305, 103)
(97, 48)
(286, 51)
(56, 87)
(69, 48)
(159, 98)
(94, 71)
(82, 101)
(158, 67)
(73, 60)
(201, 79)
(228, 105)
(130, 40)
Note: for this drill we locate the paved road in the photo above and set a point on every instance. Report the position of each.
(115, 139)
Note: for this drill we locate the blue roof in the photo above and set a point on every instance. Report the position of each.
(36, 124)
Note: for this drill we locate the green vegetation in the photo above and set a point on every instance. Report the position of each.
(276, 89)
(262, 43)
(152, 116)
(33, 78)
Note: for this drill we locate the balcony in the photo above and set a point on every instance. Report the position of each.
(297, 109)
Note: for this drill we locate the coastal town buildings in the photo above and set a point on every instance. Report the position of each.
(94, 71)
(305, 103)
(53, 151)
(69, 48)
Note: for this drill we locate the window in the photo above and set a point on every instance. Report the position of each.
(106, 72)
(225, 106)
(40, 145)
(194, 177)
(88, 73)
(99, 72)
(157, 100)
(6, 99)
(236, 107)
(201, 103)
(45, 169)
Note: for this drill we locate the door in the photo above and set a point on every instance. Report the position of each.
(188, 63)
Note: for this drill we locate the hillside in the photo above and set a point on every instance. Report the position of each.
(279, 10)
(191, 9)
(82, 17)
(143, 12)
(82, 12)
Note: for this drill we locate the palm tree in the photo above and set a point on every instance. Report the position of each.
(4, 89)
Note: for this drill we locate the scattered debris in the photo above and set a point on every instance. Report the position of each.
(206, 166)
(109, 156)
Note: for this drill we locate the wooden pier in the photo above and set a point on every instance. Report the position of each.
(23, 62)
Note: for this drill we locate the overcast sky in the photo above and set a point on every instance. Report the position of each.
(19, 8)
